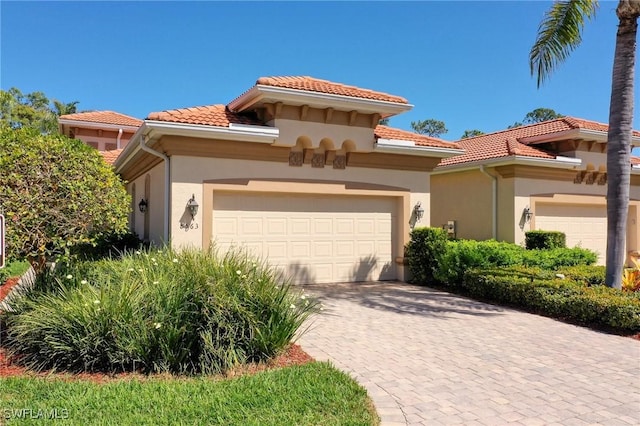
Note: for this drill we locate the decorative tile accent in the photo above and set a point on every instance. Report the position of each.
(317, 160)
(579, 177)
(340, 162)
(602, 179)
(591, 178)
(296, 158)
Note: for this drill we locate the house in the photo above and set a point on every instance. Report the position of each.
(548, 176)
(295, 169)
(107, 131)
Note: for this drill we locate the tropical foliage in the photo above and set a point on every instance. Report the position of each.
(558, 35)
(538, 115)
(33, 110)
(429, 127)
(56, 192)
(155, 311)
(471, 133)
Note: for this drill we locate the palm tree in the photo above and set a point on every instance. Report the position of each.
(558, 35)
(61, 108)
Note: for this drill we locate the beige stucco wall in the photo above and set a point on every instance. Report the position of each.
(155, 208)
(188, 174)
(103, 140)
(593, 160)
(466, 198)
(526, 187)
(315, 133)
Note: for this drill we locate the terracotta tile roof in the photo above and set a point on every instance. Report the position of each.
(110, 156)
(212, 115)
(635, 161)
(495, 145)
(386, 132)
(311, 84)
(107, 117)
(507, 142)
(560, 125)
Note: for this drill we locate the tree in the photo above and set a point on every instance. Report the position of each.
(32, 110)
(60, 108)
(558, 35)
(471, 133)
(429, 127)
(538, 115)
(56, 192)
(384, 121)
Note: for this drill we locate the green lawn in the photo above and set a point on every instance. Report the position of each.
(16, 268)
(312, 394)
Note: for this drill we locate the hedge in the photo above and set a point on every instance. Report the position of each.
(463, 255)
(568, 299)
(545, 240)
(424, 252)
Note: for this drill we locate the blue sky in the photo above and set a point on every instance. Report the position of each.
(465, 63)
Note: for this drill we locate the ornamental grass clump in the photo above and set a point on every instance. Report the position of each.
(153, 311)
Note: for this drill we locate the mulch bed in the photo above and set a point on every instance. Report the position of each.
(294, 355)
(7, 286)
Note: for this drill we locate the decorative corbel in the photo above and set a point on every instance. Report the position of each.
(318, 160)
(352, 117)
(296, 158)
(328, 114)
(340, 162)
(590, 178)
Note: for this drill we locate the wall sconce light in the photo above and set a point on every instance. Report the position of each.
(192, 205)
(527, 214)
(418, 211)
(142, 205)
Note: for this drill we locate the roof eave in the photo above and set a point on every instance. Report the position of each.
(96, 125)
(260, 93)
(236, 132)
(558, 163)
(130, 149)
(581, 133)
(392, 146)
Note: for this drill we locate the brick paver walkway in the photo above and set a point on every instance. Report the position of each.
(428, 357)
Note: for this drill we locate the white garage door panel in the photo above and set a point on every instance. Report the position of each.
(313, 239)
(584, 226)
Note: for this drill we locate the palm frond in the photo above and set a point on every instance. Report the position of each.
(559, 33)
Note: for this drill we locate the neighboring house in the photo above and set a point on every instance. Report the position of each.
(549, 176)
(107, 131)
(296, 169)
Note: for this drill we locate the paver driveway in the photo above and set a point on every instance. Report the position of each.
(428, 357)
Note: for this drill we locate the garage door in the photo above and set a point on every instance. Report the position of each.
(311, 238)
(585, 226)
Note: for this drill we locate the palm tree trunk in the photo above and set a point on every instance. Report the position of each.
(619, 140)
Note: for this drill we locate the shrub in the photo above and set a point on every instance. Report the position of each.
(565, 299)
(466, 254)
(559, 257)
(431, 256)
(424, 252)
(109, 245)
(155, 311)
(56, 191)
(588, 275)
(631, 277)
(545, 240)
